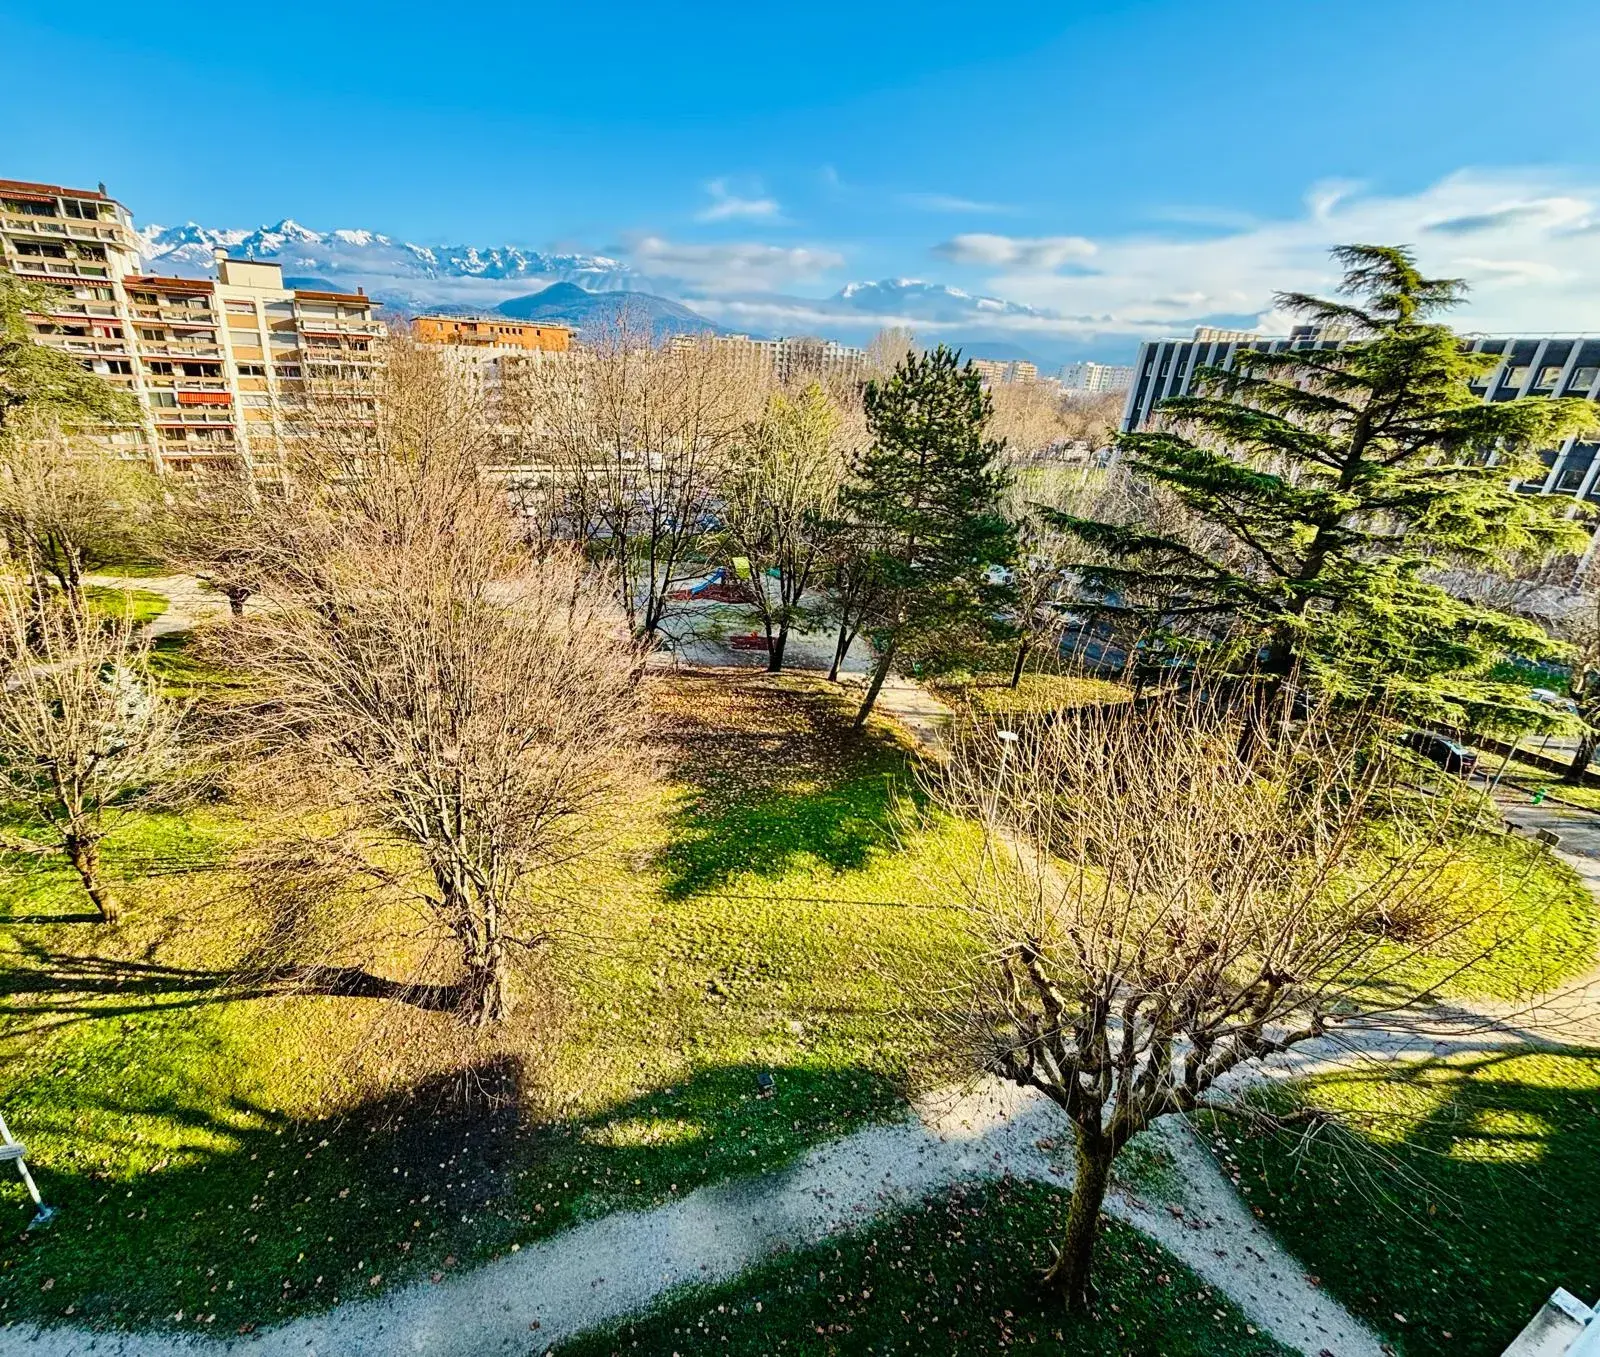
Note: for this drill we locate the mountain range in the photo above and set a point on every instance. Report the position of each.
(590, 310)
(574, 287)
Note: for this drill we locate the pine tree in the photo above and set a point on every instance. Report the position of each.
(1338, 476)
(926, 495)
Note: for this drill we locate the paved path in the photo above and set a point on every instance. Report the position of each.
(189, 602)
(621, 1263)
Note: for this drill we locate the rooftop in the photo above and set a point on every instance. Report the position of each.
(53, 190)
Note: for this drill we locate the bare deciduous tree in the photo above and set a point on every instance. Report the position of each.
(636, 437)
(778, 501)
(464, 700)
(1028, 416)
(68, 504)
(1152, 912)
(84, 736)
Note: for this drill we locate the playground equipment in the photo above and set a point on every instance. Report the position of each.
(720, 586)
(14, 1150)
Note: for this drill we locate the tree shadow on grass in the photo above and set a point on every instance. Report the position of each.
(58, 987)
(252, 1216)
(1463, 1193)
(774, 776)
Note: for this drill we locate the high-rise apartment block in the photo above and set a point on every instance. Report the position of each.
(790, 359)
(1094, 379)
(219, 368)
(1003, 370)
(1527, 365)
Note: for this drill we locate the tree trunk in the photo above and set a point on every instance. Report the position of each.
(84, 854)
(1022, 655)
(1069, 1275)
(878, 676)
(841, 648)
(236, 598)
(775, 648)
(1580, 760)
(485, 999)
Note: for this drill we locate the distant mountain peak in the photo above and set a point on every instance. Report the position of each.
(389, 269)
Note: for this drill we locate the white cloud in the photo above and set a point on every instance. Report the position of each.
(729, 206)
(732, 267)
(1529, 256)
(949, 202)
(1039, 252)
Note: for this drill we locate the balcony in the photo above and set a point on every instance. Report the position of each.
(60, 228)
(91, 346)
(56, 269)
(171, 416)
(177, 315)
(313, 325)
(174, 348)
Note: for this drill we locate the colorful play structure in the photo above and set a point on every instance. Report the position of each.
(720, 586)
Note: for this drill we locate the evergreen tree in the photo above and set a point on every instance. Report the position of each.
(926, 497)
(1338, 477)
(41, 380)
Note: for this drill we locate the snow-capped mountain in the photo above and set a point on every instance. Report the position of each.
(918, 300)
(390, 269)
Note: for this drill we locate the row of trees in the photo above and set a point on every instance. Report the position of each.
(876, 509)
(450, 705)
(1164, 890)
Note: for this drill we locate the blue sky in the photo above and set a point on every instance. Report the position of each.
(1121, 167)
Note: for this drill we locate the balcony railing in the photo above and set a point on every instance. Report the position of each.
(57, 268)
(61, 228)
(172, 348)
(182, 315)
(193, 414)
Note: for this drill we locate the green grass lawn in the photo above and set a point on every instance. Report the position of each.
(956, 1275)
(1463, 1193)
(143, 605)
(1541, 930)
(233, 1148)
(1531, 777)
(1034, 693)
(210, 1140)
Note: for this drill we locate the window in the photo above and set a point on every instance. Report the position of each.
(23, 207)
(1514, 377)
(1548, 377)
(84, 211)
(163, 399)
(1583, 380)
(252, 369)
(241, 308)
(161, 369)
(255, 400)
(289, 371)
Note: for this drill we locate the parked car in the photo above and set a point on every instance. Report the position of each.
(1449, 754)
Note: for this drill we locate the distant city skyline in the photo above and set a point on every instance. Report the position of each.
(1165, 165)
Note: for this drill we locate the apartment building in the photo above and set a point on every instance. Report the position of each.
(219, 368)
(790, 359)
(1095, 379)
(1528, 365)
(493, 333)
(1002, 370)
